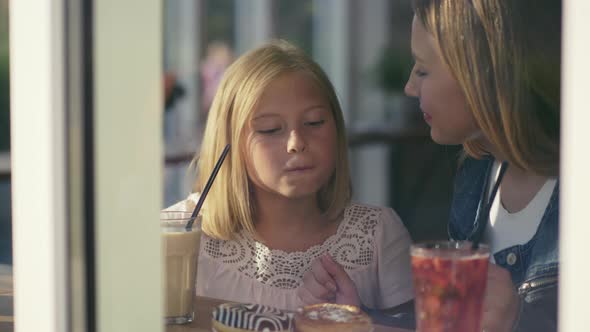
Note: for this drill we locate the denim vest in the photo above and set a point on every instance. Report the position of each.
(533, 265)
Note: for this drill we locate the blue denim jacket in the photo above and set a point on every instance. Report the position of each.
(533, 265)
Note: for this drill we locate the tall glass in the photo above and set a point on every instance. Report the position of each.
(181, 253)
(449, 284)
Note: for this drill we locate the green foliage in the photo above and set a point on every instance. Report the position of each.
(219, 25)
(393, 69)
(4, 102)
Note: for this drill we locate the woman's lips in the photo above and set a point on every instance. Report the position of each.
(427, 117)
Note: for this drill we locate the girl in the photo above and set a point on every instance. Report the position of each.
(280, 228)
(487, 77)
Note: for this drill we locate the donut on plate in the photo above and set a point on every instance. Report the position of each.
(330, 317)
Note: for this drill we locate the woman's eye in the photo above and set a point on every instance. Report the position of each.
(420, 73)
(268, 131)
(315, 123)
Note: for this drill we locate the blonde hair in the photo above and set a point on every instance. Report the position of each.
(505, 55)
(229, 207)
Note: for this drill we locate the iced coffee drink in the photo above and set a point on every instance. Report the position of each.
(181, 251)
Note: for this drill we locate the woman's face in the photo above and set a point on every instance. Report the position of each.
(441, 99)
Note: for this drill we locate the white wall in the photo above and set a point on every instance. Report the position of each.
(575, 166)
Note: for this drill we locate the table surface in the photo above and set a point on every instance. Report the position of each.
(202, 321)
(205, 306)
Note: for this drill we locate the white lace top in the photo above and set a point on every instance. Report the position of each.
(371, 244)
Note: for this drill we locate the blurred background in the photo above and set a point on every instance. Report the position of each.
(5, 223)
(362, 45)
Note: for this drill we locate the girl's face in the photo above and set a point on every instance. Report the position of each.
(290, 146)
(441, 99)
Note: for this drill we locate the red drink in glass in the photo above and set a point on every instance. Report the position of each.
(449, 284)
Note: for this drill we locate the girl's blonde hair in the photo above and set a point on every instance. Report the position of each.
(229, 207)
(505, 55)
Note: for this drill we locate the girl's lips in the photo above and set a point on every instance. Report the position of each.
(298, 169)
(427, 117)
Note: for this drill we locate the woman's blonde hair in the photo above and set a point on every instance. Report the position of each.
(505, 55)
(229, 207)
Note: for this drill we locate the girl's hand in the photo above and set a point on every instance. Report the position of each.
(327, 281)
(501, 302)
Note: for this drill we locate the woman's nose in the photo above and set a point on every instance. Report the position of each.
(410, 88)
(296, 142)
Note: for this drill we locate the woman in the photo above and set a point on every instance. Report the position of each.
(487, 77)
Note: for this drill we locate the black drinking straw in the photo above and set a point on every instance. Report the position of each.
(484, 214)
(189, 225)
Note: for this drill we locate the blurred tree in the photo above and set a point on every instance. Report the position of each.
(294, 22)
(4, 103)
(4, 79)
(393, 69)
(219, 22)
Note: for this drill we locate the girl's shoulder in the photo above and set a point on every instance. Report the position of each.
(370, 218)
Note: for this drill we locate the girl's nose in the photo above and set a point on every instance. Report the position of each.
(296, 142)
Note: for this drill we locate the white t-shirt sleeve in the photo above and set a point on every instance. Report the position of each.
(394, 269)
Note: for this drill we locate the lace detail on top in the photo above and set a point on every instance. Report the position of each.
(352, 246)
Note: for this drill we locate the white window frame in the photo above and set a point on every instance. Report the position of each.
(126, 167)
(38, 163)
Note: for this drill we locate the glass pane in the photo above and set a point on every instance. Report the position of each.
(387, 134)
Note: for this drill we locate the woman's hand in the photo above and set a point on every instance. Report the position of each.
(501, 302)
(327, 281)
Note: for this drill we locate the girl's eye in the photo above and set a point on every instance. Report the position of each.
(315, 123)
(268, 131)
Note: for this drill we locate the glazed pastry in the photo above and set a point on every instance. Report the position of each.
(236, 317)
(329, 317)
